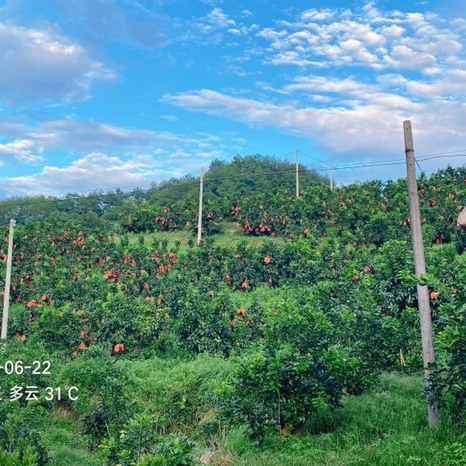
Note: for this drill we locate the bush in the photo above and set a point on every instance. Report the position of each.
(140, 442)
(300, 369)
(20, 441)
(104, 392)
(448, 382)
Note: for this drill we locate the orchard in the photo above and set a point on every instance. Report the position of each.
(270, 337)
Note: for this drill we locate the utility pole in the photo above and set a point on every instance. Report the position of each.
(297, 173)
(419, 265)
(6, 296)
(199, 219)
(331, 177)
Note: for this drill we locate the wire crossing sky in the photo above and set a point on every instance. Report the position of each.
(96, 94)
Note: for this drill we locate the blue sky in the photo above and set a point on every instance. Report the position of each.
(99, 94)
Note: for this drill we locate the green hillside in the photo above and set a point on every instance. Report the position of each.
(289, 336)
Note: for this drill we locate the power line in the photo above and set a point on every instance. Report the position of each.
(444, 156)
(456, 151)
(69, 197)
(157, 190)
(391, 162)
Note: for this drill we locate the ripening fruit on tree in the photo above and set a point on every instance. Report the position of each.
(119, 347)
(240, 312)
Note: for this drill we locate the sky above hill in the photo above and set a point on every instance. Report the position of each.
(99, 94)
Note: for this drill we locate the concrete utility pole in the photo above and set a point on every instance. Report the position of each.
(297, 173)
(419, 265)
(199, 219)
(6, 296)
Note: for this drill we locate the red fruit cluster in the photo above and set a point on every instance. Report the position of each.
(118, 348)
(241, 313)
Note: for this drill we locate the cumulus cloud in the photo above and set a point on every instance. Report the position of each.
(217, 18)
(214, 28)
(108, 156)
(93, 171)
(81, 136)
(23, 149)
(97, 170)
(92, 137)
(368, 123)
(100, 171)
(358, 75)
(382, 40)
(39, 65)
(317, 15)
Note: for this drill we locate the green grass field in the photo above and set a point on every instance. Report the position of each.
(232, 234)
(386, 426)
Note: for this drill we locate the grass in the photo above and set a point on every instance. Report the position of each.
(231, 236)
(170, 236)
(264, 295)
(387, 427)
(65, 446)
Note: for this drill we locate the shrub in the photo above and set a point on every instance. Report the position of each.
(300, 369)
(448, 382)
(140, 442)
(104, 392)
(20, 440)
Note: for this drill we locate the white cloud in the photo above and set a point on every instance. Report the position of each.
(215, 28)
(383, 40)
(89, 136)
(403, 57)
(109, 156)
(317, 15)
(291, 57)
(212, 2)
(370, 122)
(219, 19)
(100, 171)
(351, 78)
(42, 64)
(322, 84)
(355, 48)
(82, 137)
(91, 172)
(391, 32)
(172, 118)
(97, 170)
(23, 149)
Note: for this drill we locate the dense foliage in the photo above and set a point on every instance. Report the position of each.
(310, 315)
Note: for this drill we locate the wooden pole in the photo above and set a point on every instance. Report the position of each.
(331, 177)
(297, 173)
(419, 265)
(199, 220)
(6, 296)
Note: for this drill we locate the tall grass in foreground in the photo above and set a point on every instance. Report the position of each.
(385, 427)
